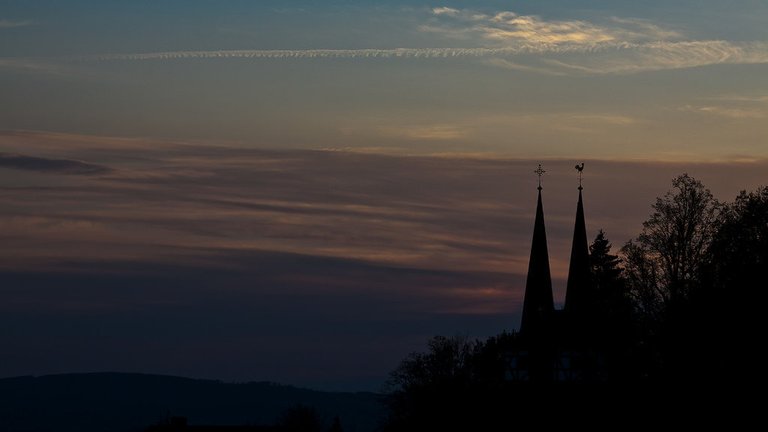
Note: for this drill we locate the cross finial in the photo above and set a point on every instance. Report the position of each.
(580, 169)
(540, 172)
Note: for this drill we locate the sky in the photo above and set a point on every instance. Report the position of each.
(305, 191)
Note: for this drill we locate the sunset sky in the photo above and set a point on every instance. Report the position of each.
(305, 191)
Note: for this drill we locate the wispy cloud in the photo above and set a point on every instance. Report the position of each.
(730, 106)
(615, 46)
(640, 29)
(508, 27)
(725, 111)
(744, 99)
(427, 132)
(604, 57)
(663, 56)
(41, 66)
(351, 246)
(62, 166)
(526, 43)
(445, 11)
(511, 65)
(5, 24)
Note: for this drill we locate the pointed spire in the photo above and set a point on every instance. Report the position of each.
(538, 305)
(579, 288)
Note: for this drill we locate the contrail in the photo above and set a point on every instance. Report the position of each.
(360, 53)
(683, 53)
(554, 58)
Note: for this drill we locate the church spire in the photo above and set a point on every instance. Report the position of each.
(579, 288)
(538, 305)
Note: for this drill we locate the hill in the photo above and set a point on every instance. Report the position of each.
(130, 402)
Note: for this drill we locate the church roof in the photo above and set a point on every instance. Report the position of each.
(577, 295)
(538, 304)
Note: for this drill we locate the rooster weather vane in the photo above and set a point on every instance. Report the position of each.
(580, 169)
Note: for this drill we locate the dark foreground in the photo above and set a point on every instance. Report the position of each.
(118, 402)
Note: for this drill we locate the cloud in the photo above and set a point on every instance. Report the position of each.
(525, 43)
(510, 28)
(554, 58)
(508, 64)
(725, 111)
(640, 29)
(50, 66)
(755, 99)
(6, 24)
(567, 47)
(405, 53)
(264, 256)
(663, 56)
(445, 11)
(59, 166)
(733, 106)
(427, 132)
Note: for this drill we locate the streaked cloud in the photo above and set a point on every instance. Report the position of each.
(725, 111)
(554, 58)
(34, 65)
(643, 30)
(6, 24)
(758, 99)
(508, 27)
(405, 53)
(618, 46)
(527, 43)
(662, 56)
(63, 166)
(427, 132)
(730, 106)
(445, 11)
(192, 246)
(428, 212)
(549, 58)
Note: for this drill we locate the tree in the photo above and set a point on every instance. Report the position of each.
(735, 286)
(430, 391)
(607, 275)
(336, 425)
(301, 418)
(446, 362)
(739, 252)
(664, 263)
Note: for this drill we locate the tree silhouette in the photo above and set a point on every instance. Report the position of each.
(446, 362)
(301, 418)
(336, 425)
(735, 284)
(739, 251)
(664, 263)
(694, 274)
(607, 276)
(434, 390)
(615, 328)
(605, 266)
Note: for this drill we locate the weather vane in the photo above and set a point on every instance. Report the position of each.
(580, 169)
(540, 172)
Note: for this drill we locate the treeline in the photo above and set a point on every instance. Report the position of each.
(678, 317)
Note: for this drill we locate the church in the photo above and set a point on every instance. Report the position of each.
(559, 344)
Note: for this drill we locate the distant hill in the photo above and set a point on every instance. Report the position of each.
(118, 402)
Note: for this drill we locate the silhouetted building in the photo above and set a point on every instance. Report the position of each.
(558, 345)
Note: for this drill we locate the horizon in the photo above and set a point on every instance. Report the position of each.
(304, 193)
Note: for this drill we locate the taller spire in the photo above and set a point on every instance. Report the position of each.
(538, 305)
(579, 289)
